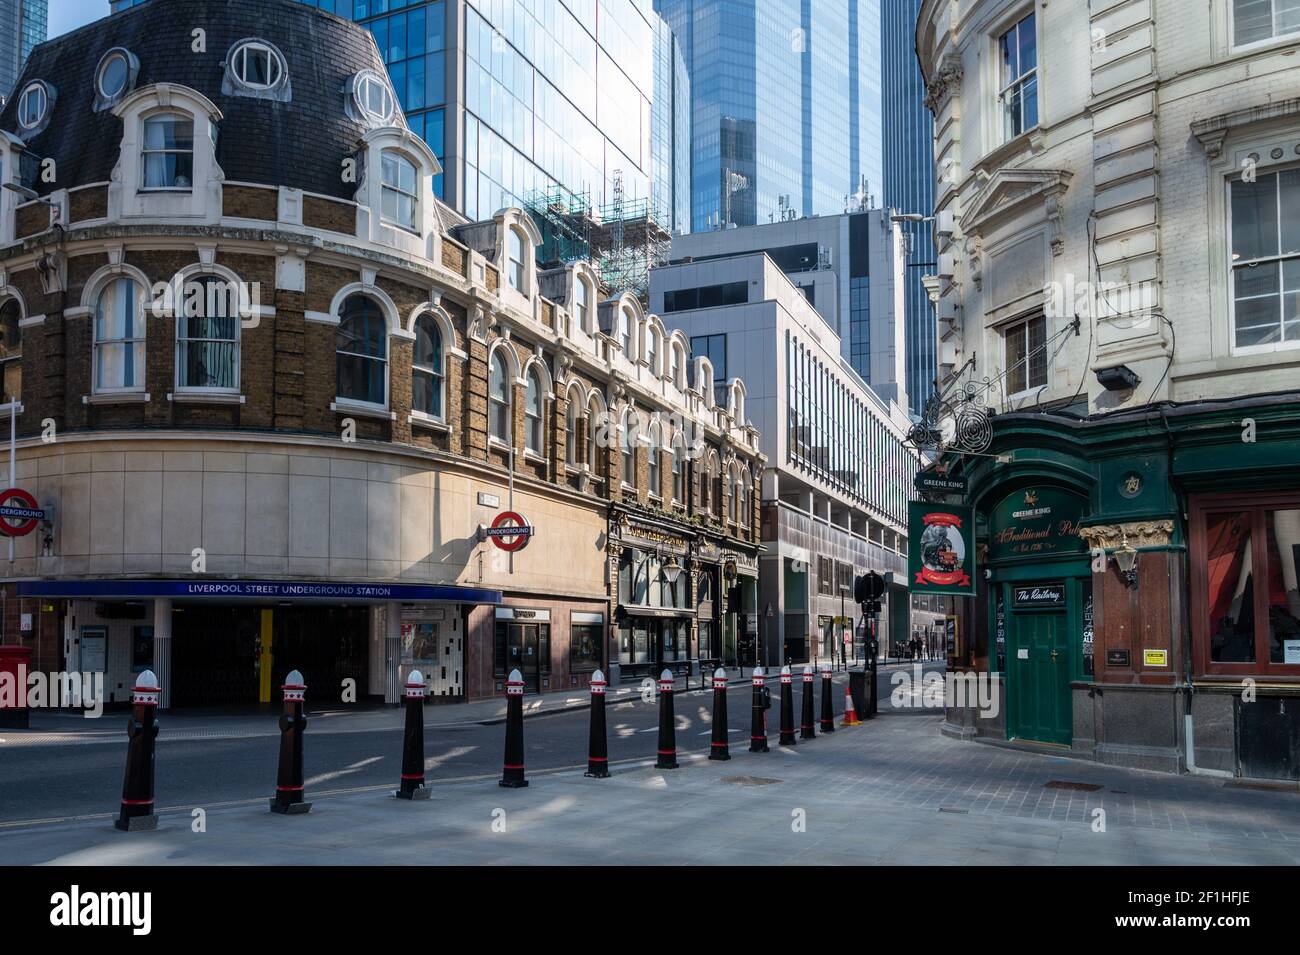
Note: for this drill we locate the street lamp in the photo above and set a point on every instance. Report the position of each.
(910, 217)
(1126, 558)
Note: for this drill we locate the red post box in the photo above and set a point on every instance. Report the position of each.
(15, 664)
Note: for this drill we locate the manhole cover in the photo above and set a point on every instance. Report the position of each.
(1069, 784)
(960, 812)
(749, 780)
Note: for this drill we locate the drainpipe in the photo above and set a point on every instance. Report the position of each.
(1189, 733)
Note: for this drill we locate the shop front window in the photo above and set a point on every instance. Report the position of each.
(1282, 553)
(586, 641)
(1231, 601)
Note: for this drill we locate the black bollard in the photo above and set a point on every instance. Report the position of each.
(787, 708)
(413, 741)
(828, 705)
(141, 731)
(719, 748)
(806, 730)
(512, 776)
(598, 747)
(758, 724)
(667, 723)
(289, 781)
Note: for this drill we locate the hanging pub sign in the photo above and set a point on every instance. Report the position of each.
(937, 483)
(1036, 522)
(941, 548)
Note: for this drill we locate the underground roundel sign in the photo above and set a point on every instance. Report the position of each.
(19, 513)
(510, 531)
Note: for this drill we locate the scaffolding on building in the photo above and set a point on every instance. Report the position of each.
(564, 219)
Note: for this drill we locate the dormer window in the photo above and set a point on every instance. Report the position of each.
(114, 77)
(515, 259)
(168, 154)
(33, 105)
(626, 329)
(256, 68)
(372, 98)
(400, 198)
(582, 305)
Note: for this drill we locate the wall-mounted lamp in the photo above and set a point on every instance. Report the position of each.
(1126, 559)
(672, 570)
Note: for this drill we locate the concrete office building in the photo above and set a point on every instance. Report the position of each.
(850, 268)
(838, 474)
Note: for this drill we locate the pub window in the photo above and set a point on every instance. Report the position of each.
(1025, 355)
(119, 337)
(207, 336)
(11, 350)
(586, 644)
(168, 154)
(1248, 602)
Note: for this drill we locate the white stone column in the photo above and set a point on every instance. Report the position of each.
(392, 652)
(162, 649)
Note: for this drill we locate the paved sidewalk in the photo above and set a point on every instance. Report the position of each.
(892, 791)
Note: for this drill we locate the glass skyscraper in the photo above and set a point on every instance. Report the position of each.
(909, 185)
(23, 24)
(786, 106)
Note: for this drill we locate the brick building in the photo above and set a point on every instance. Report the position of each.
(269, 390)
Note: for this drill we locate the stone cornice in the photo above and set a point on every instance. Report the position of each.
(1155, 533)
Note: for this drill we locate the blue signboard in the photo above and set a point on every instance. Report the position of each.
(255, 589)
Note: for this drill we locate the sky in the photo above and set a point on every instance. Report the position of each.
(67, 15)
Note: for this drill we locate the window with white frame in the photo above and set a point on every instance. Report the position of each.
(372, 97)
(677, 365)
(256, 65)
(499, 398)
(361, 345)
(1265, 231)
(1018, 78)
(1256, 21)
(631, 425)
(1024, 346)
(653, 472)
(733, 505)
(652, 350)
(399, 194)
(11, 350)
(571, 425)
(582, 304)
(119, 337)
(679, 469)
(627, 331)
(33, 104)
(594, 432)
(515, 246)
(207, 335)
(113, 75)
(534, 402)
(427, 375)
(168, 153)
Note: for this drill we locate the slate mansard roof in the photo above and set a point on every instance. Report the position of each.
(300, 144)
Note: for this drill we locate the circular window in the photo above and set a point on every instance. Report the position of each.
(33, 105)
(114, 74)
(374, 98)
(257, 65)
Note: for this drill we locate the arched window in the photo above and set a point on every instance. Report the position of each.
(597, 436)
(631, 425)
(256, 65)
(399, 192)
(499, 398)
(582, 304)
(119, 337)
(679, 468)
(168, 153)
(652, 350)
(706, 489)
(207, 335)
(427, 372)
(362, 349)
(626, 331)
(733, 505)
(11, 350)
(515, 259)
(656, 446)
(742, 489)
(677, 365)
(534, 401)
(571, 431)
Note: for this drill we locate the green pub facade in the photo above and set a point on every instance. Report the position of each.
(1136, 595)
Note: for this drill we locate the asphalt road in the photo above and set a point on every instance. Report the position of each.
(61, 781)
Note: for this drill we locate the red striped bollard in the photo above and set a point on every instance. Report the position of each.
(288, 799)
(806, 730)
(719, 748)
(512, 776)
(141, 731)
(412, 786)
(598, 747)
(828, 705)
(667, 723)
(758, 724)
(787, 708)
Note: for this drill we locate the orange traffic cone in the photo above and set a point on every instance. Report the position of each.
(850, 715)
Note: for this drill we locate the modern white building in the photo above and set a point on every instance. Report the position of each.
(850, 269)
(838, 475)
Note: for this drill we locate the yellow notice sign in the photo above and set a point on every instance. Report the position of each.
(1155, 658)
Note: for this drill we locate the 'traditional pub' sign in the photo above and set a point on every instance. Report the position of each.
(941, 548)
(1036, 522)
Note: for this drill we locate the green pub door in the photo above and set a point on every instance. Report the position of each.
(1040, 664)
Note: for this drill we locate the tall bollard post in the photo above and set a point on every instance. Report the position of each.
(758, 724)
(288, 799)
(598, 746)
(412, 786)
(806, 730)
(787, 708)
(137, 782)
(667, 723)
(512, 776)
(719, 748)
(828, 705)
